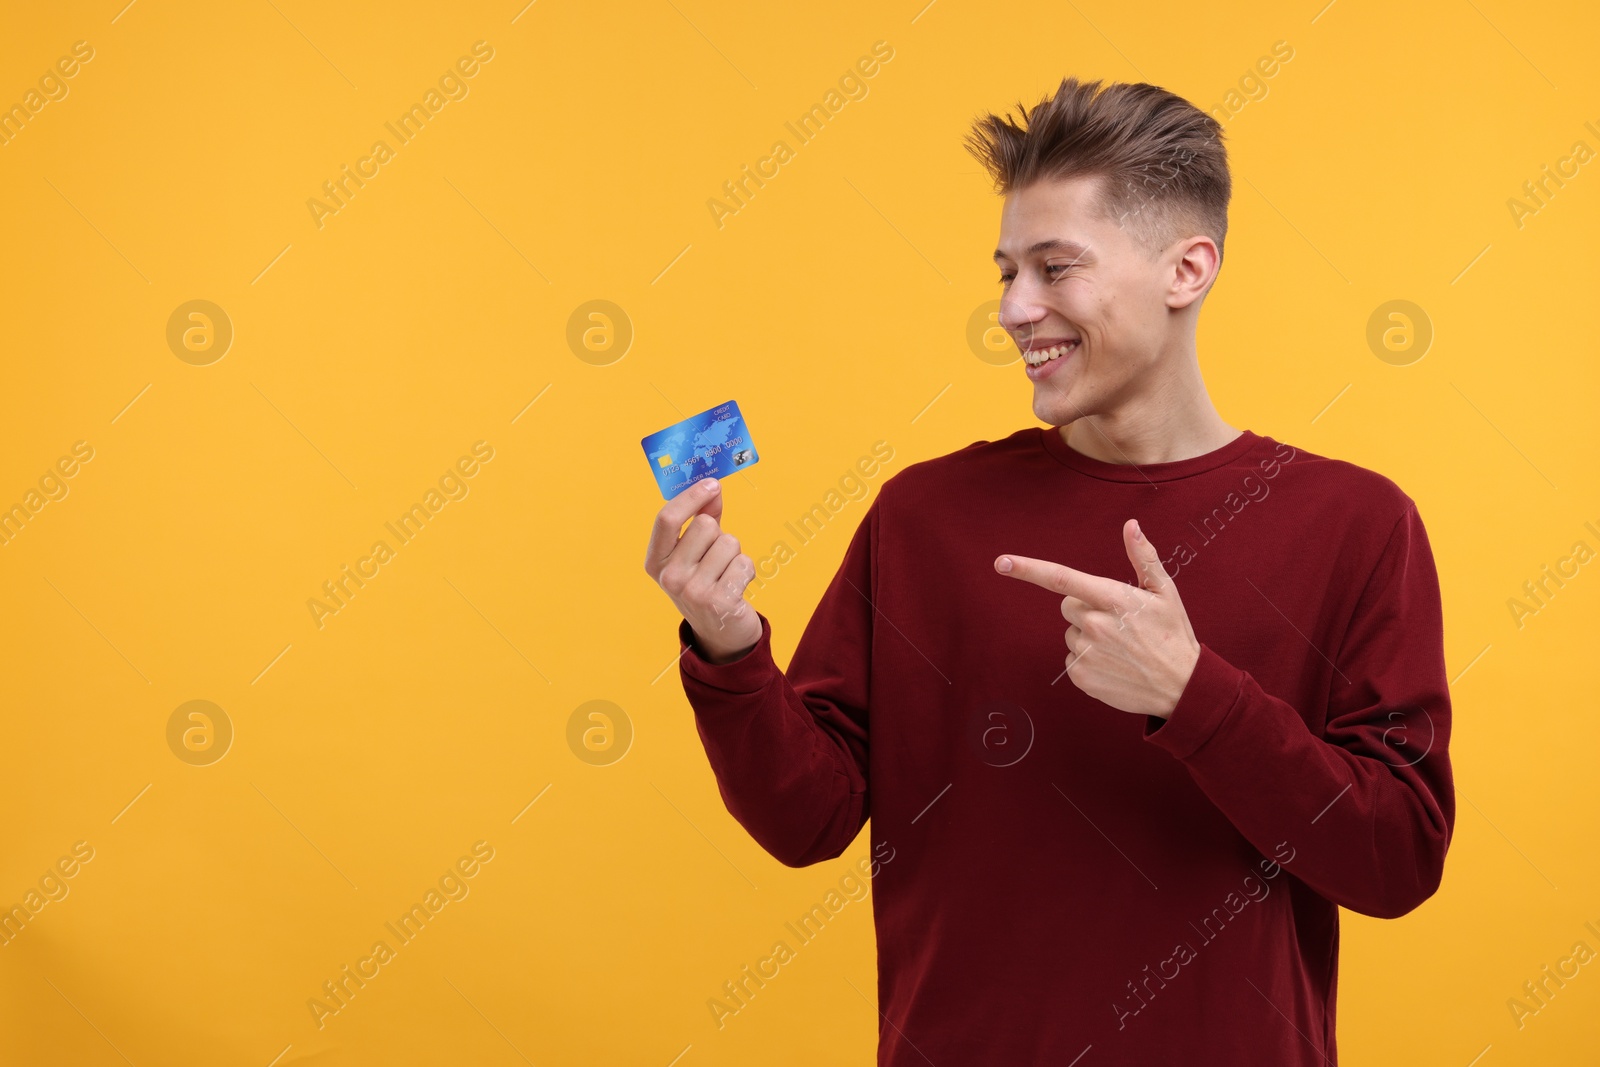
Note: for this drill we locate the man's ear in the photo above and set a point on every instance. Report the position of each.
(1194, 267)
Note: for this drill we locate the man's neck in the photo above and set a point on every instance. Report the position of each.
(1153, 433)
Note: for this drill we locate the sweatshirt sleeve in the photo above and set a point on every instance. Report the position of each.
(1368, 807)
(790, 751)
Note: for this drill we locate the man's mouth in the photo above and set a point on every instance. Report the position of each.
(1037, 356)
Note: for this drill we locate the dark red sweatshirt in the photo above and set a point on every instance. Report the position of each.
(1071, 884)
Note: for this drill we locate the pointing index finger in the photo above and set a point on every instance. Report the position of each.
(1102, 592)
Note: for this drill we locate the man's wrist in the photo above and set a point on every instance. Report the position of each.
(752, 671)
(719, 658)
(1185, 673)
(714, 655)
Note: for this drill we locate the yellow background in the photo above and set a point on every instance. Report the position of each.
(427, 314)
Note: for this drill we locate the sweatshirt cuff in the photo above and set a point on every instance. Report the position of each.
(1207, 700)
(750, 673)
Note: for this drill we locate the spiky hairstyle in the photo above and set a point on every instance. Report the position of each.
(1163, 165)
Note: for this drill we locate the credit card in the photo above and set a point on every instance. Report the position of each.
(708, 445)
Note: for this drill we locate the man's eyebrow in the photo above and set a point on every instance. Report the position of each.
(1053, 244)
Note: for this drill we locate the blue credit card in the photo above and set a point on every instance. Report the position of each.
(708, 445)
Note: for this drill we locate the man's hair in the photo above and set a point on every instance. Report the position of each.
(1163, 166)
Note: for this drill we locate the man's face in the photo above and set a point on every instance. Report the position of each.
(1069, 275)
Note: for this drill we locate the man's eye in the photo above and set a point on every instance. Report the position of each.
(1051, 270)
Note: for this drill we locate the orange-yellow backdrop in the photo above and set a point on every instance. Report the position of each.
(376, 340)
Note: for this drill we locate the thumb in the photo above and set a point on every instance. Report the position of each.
(713, 504)
(1146, 561)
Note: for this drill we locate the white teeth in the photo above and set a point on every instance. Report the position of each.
(1044, 355)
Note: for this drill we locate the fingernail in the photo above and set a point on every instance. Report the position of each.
(1004, 565)
(1138, 534)
(709, 485)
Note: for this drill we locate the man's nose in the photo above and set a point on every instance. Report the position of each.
(1018, 320)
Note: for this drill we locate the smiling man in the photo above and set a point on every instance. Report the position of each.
(1139, 699)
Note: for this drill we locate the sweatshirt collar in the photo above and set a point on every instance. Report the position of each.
(1050, 439)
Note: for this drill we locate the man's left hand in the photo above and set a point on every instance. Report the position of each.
(1131, 646)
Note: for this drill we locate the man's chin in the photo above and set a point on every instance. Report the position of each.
(1053, 406)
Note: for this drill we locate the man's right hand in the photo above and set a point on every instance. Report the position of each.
(704, 573)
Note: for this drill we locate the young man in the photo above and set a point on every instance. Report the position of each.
(1129, 849)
